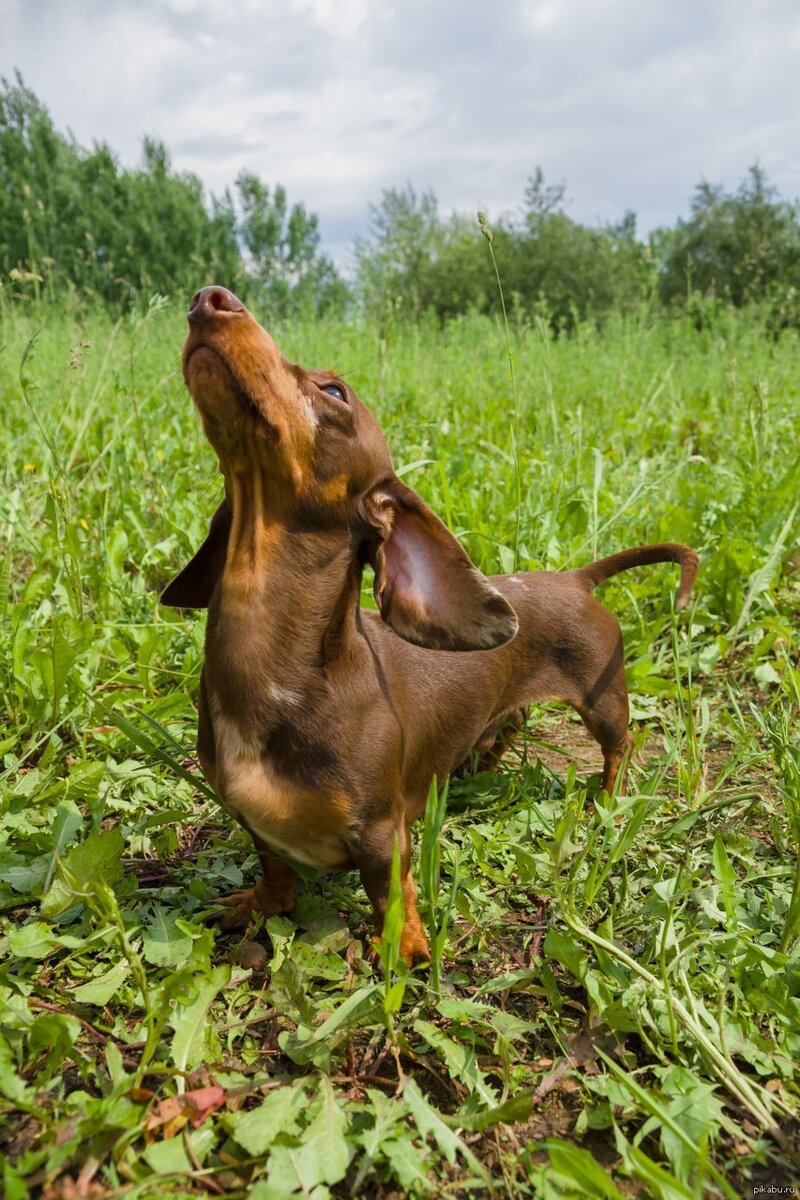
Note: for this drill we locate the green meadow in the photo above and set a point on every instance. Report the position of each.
(614, 1003)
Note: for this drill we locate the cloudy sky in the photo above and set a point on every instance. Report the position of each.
(630, 102)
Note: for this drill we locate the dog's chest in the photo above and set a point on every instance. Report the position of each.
(308, 826)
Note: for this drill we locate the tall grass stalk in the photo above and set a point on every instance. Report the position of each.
(690, 735)
(779, 726)
(665, 1118)
(439, 912)
(753, 1097)
(394, 975)
(487, 233)
(100, 898)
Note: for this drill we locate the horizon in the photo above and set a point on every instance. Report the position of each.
(339, 102)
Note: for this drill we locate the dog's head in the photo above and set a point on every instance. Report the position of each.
(321, 463)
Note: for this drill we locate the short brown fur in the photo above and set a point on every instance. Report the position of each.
(321, 724)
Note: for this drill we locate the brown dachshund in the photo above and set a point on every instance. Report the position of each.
(321, 724)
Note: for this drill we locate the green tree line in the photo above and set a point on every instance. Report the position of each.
(739, 248)
(74, 219)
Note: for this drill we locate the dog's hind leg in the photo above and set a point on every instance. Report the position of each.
(607, 722)
(497, 739)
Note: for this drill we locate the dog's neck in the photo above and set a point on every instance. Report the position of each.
(286, 608)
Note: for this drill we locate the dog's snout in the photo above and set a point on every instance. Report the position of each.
(209, 302)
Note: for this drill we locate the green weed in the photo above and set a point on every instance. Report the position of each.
(612, 1003)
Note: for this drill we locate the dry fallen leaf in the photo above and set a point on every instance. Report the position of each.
(172, 1113)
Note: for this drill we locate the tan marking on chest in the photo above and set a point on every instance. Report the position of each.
(309, 827)
(252, 542)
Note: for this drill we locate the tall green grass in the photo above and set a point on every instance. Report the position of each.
(613, 999)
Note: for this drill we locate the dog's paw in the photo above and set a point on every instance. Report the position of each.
(414, 947)
(239, 908)
(270, 899)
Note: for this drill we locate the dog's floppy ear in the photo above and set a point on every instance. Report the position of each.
(426, 588)
(194, 586)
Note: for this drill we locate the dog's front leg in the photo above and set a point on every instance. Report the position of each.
(373, 857)
(274, 892)
(272, 895)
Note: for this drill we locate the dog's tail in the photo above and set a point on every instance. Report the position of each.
(641, 556)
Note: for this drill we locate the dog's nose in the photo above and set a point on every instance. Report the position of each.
(210, 301)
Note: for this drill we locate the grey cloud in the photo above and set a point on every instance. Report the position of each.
(630, 101)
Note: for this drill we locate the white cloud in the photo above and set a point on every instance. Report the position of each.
(630, 101)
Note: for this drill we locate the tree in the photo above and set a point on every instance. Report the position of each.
(416, 261)
(285, 264)
(394, 267)
(576, 270)
(738, 246)
(542, 199)
(75, 218)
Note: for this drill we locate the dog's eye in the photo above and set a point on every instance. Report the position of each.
(337, 392)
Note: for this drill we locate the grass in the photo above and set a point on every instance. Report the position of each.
(614, 1000)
